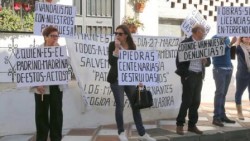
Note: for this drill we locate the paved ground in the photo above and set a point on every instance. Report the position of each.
(163, 130)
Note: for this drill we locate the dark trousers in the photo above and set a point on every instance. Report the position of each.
(118, 92)
(191, 97)
(49, 115)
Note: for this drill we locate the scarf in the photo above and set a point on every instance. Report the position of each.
(246, 50)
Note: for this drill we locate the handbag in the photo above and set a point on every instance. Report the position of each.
(142, 98)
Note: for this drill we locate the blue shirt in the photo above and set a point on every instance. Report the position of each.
(223, 61)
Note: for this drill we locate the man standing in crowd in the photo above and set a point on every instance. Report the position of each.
(191, 73)
(222, 73)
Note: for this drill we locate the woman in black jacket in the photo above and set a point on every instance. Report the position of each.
(123, 41)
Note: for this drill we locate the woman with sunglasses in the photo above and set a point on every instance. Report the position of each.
(123, 41)
(48, 99)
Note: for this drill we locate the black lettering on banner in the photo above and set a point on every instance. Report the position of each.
(54, 19)
(188, 24)
(91, 49)
(99, 101)
(41, 64)
(161, 89)
(91, 88)
(56, 9)
(102, 38)
(30, 77)
(165, 54)
(231, 11)
(63, 29)
(27, 53)
(57, 76)
(100, 76)
(94, 62)
(139, 66)
(139, 77)
(145, 77)
(34, 65)
(137, 55)
(165, 101)
(201, 49)
(156, 42)
(107, 90)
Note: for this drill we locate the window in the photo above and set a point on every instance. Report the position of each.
(78, 5)
(184, 6)
(99, 8)
(210, 13)
(17, 15)
(222, 3)
(211, 3)
(172, 4)
(205, 7)
(200, 2)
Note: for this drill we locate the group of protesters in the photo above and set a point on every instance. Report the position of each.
(191, 73)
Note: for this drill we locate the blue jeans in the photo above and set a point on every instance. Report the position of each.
(242, 82)
(118, 92)
(222, 78)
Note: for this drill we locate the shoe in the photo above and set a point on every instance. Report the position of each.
(179, 130)
(123, 137)
(146, 137)
(227, 120)
(195, 130)
(218, 123)
(239, 112)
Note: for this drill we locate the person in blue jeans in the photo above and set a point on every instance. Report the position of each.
(243, 72)
(222, 73)
(123, 41)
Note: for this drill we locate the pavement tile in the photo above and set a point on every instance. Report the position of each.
(107, 138)
(162, 130)
(16, 138)
(82, 132)
(108, 132)
(77, 138)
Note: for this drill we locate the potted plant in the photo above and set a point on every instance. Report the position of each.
(133, 23)
(26, 7)
(17, 5)
(139, 5)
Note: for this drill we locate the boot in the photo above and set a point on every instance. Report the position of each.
(239, 111)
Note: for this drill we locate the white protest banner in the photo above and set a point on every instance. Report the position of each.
(89, 56)
(168, 91)
(60, 16)
(194, 17)
(41, 66)
(135, 66)
(201, 49)
(233, 21)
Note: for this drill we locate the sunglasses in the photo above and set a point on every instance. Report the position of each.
(119, 33)
(54, 36)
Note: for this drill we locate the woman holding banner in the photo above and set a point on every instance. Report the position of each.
(243, 72)
(123, 41)
(48, 99)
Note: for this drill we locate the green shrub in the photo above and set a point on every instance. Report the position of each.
(12, 21)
